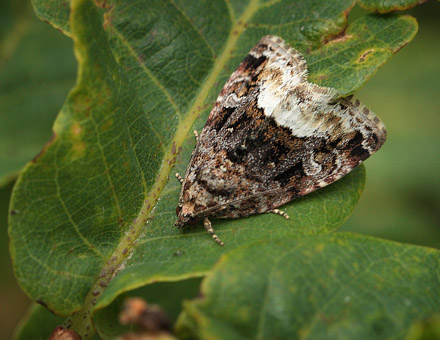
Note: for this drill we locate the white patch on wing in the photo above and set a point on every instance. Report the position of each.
(307, 111)
(274, 85)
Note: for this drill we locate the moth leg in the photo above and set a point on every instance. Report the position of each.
(208, 228)
(279, 212)
(196, 134)
(179, 178)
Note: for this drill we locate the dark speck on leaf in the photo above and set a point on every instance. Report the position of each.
(178, 253)
(41, 302)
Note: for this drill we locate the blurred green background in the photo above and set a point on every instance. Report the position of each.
(401, 200)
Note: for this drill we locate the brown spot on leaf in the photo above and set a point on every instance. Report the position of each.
(76, 130)
(338, 38)
(322, 77)
(41, 302)
(364, 55)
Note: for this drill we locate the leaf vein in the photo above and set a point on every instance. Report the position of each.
(148, 72)
(69, 216)
(195, 28)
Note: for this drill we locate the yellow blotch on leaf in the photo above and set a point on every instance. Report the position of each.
(76, 130)
(364, 55)
(320, 247)
(78, 149)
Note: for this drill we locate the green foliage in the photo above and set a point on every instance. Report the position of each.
(54, 11)
(38, 324)
(356, 54)
(31, 54)
(100, 199)
(385, 6)
(404, 174)
(339, 286)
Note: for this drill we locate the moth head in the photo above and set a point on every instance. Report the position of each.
(185, 215)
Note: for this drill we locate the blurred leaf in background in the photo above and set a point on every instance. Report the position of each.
(13, 301)
(37, 69)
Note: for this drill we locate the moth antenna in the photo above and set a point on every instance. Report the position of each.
(208, 228)
(196, 134)
(179, 178)
(279, 212)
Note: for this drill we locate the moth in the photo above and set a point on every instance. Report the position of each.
(272, 137)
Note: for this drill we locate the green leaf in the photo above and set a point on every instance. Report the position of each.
(100, 200)
(54, 11)
(356, 54)
(385, 6)
(37, 70)
(38, 324)
(425, 330)
(338, 286)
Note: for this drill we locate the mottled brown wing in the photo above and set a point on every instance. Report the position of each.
(257, 67)
(284, 138)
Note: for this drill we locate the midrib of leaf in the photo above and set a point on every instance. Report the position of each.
(81, 319)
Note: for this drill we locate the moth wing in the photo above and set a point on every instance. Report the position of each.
(273, 137)
(259, 67)
(257, 162)
(335, 136)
